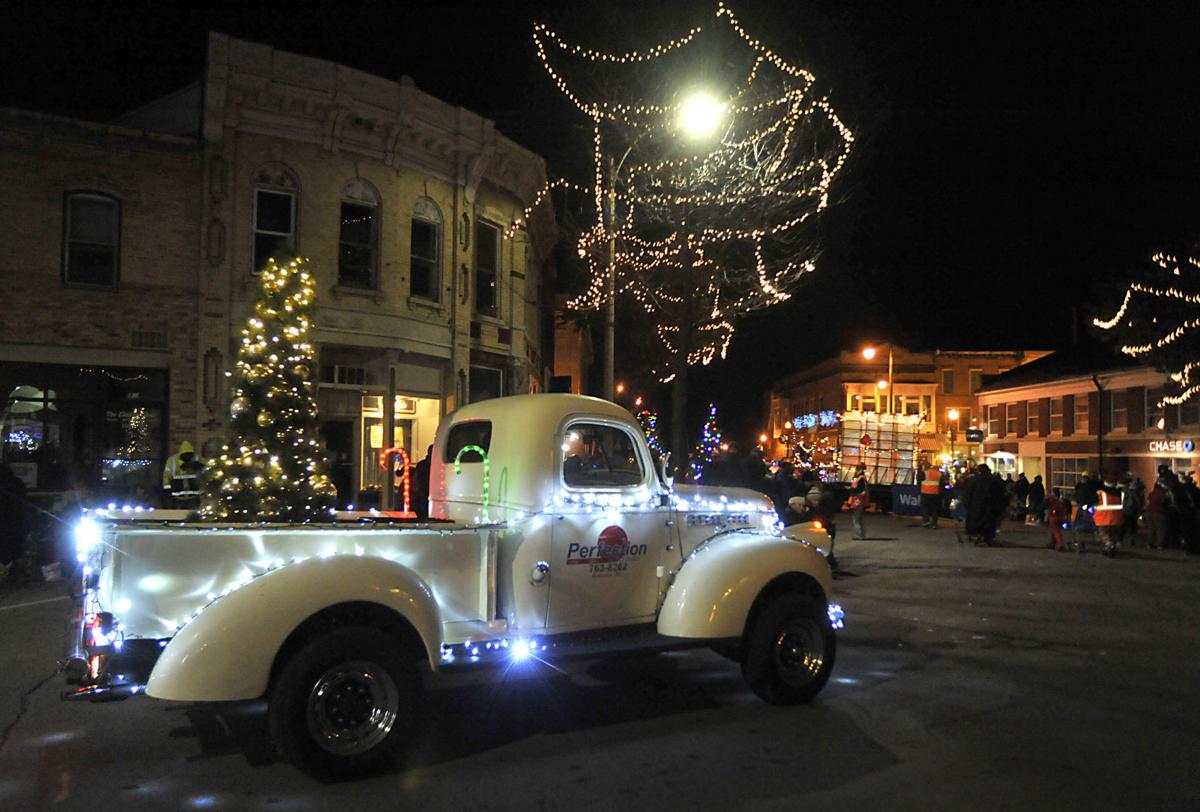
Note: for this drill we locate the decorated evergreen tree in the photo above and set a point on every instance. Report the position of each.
(274, 468)
(648, 419)
(709, 443)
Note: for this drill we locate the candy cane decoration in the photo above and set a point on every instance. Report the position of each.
(487, 474)
(384, 456)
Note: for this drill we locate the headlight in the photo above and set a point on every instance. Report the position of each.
(87, 536)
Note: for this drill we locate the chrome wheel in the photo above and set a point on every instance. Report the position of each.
(799, 651)
(352, 708)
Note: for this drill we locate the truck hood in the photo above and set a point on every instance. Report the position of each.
(749, 499)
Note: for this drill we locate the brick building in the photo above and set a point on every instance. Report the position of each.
(130, 259)
(1087, 408)
(930, 387)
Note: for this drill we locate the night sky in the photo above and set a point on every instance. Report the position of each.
(1013, 159)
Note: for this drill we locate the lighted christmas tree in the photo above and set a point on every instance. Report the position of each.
(708, 444)
(648, 419)
(274, 468)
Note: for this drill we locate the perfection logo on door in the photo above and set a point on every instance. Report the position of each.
(610, 555)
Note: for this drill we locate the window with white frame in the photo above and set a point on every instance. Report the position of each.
(92, 231)
(1081, 414)
(274, 216)
(1056, 415)
(994, 418)
(425, 277)
(1118, 410)
(1154, 409)
(1011, 416)
(1065, 472)
(487, 268)
(358, 237)
(1032, 424)
(976, 380)
(964, 419)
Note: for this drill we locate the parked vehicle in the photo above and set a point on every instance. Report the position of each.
(553, 534)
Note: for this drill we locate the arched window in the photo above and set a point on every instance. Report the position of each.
(358, 241)
(274, 215)
(425, 273)
(92, 239)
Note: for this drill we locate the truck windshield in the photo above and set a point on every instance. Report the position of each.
(598, 456)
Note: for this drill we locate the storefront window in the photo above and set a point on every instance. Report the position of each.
(94, 429)
(1065, 472)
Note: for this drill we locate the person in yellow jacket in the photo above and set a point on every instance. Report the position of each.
(181, 477)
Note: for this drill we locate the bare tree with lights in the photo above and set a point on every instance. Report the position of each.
(704, 201)
(274, 468)
(1160, 321)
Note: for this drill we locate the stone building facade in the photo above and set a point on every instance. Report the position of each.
(431, 282)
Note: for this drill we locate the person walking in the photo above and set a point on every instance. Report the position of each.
(1037, 501)
(1021, 491)
(1109, 516)
(985, 503)
(826, 511)
(859, 499)
(1056, 514)
(931, 496)
(1156, 515)
(1131, 508)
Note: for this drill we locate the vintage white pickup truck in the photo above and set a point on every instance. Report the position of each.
(554, 534)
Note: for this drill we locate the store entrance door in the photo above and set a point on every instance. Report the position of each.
(338, 437)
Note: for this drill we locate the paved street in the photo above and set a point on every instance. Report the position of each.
(967, 678)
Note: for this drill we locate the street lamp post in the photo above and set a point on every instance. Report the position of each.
(869, 353)
(953, 415)
(699, 117)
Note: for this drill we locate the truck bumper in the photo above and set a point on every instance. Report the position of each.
(98, 663)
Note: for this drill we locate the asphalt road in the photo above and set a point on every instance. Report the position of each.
(967, 678)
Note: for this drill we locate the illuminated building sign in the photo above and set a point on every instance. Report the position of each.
(1172, 446)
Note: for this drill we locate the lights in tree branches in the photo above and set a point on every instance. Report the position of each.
(700, 233)
(1173, 297)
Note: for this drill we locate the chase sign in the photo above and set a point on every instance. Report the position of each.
(1172, 446)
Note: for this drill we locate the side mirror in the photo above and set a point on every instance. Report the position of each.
(664, 468)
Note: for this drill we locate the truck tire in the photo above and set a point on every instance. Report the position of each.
(345, 704)
(789, 651)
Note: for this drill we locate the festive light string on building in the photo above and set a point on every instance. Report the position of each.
(753, 187)
(1169, 294)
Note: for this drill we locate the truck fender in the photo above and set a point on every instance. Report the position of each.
(715, 588)
(226, 652)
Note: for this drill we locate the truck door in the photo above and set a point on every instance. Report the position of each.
(609, 529)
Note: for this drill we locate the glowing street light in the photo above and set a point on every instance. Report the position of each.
(882, 384)
(620, 388)
(952, 414)
(700, 115)
(869, 353)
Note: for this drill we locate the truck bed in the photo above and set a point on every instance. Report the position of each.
(154, 576)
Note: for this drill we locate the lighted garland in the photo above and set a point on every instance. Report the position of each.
(274, 468)
(734, 207)
(487, 476)
(708, 444)
(1168, 318)
(648, 420)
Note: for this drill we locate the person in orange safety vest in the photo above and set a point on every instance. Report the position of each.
(932, 482)
(1109, 516)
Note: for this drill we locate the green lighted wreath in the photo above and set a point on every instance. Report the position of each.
(487, 474)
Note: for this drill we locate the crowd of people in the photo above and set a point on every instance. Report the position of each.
(1112, 508)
